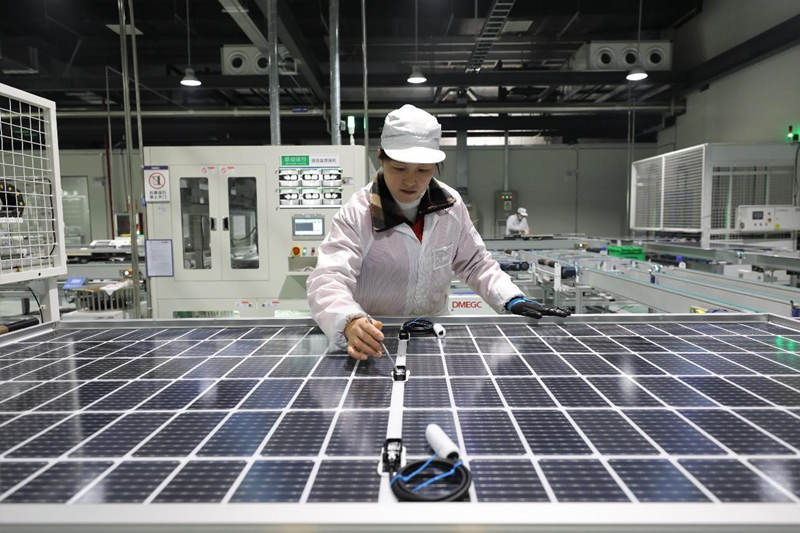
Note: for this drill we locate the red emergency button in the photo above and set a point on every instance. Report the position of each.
(295, 251)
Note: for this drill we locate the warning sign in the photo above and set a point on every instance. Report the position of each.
(156, 184)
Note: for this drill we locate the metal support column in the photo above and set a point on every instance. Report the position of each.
(505, 161)
(364, 88)
(274, 82)
(126, 100)
(336, 101)
(462, 165)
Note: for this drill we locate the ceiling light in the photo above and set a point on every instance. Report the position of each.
(189, 79)
(637, 73)
(416, 77)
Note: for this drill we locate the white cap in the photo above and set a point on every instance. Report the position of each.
(522, 212)
(412, 135)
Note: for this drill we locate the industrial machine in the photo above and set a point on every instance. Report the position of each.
(584, 280)
(235, 231)
(696, 191)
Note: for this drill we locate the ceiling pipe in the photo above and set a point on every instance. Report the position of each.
(245, 112)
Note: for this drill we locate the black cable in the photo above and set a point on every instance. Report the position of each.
(449, 487)
(41, 316)
(420, 326)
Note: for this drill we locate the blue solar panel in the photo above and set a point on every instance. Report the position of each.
(606, 412)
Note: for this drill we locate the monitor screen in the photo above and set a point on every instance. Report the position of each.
(307, 226)
(758, 215)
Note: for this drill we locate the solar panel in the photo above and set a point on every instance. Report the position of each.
(628, 410)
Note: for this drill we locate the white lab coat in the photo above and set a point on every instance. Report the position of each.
(514, 226)
(391, 273)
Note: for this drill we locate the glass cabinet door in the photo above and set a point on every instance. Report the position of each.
(242, 223)
(196, 224)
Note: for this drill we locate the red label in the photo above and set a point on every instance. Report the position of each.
(465, 305)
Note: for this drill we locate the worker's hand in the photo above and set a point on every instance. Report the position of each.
(364, 338)
(533, 309)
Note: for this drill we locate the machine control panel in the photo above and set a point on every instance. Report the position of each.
(308, 227)
(763, 218)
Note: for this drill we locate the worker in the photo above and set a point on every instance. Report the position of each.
(517, 224)
(393, 247)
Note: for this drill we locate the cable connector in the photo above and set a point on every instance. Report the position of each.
(400, 373)
(392, 456)
(404, 335)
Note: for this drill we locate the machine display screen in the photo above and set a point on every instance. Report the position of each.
(758, 215)
(308, 226)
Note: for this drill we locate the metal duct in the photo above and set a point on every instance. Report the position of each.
(380, 111)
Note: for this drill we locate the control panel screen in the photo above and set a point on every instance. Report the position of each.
(304, 226)
(758, 215)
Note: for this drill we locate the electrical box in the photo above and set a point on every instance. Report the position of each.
(764, 218)
(505, 203)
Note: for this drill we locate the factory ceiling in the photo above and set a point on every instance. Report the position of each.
(489, 68)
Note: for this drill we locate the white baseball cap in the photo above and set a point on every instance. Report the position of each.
(412, 135)
(522, 212)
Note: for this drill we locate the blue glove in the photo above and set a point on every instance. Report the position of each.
(533, 309)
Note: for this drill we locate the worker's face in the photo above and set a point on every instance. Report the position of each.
(407, 181)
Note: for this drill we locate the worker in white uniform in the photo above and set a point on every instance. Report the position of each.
(517, 224)
(393, 247)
